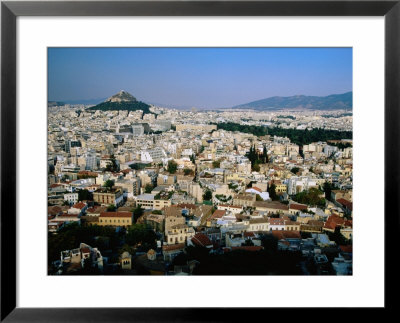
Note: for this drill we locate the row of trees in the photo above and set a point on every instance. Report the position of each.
(299, 137)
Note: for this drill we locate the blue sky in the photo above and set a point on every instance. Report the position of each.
(200, 77)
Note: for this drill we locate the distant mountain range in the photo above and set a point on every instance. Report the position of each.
(125, 101)
(122, 101)
(55, 103)
(331, 102)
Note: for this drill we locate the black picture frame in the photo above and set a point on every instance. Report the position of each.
(10, 10)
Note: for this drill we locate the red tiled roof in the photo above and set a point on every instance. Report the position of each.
(316, 223)
(346, 203)
(116, 214)
(218, 214)
(271, 205)
(283, 234)
(330, 225)
(85, 250)
(298, 207)
(257, 189)
(333, 222)
(54, 210)
(174, 247)
(348, 224)
(348, 249)
(201, 240)
(289, 222)
(276, 221)
(79, 205)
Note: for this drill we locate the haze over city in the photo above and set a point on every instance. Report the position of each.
(197, 77)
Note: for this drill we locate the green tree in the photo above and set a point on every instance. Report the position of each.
(127, 248)
(111, 208)
(299, 137)
(148, 188)
(310, 197)
(137, 212)
(112, 166)
(328, 187)
(172, 167)
(85, 195)
(193, 158)
(108, 183)
(207, 196)
(252, 155)
(272, 192)
(141, 234)
(216, 163)
(188, 171)
(256, 166)
(295, 170)
(265, 155)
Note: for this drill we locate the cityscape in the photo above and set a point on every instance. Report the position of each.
(226, 175)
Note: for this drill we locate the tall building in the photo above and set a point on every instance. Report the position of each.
(91, 160)
(137, 130)
(72, 143)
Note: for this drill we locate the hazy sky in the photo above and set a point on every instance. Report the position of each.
(200, 77)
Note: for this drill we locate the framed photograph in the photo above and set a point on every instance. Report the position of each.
(196, 154)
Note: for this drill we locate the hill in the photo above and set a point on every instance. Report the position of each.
(122, 101)
(331, 102)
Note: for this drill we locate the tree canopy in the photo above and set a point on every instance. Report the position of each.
(172, 167)
(310, 197)
(112, 166)
(108, 183)
(299, 137)
(272, 192)
(141, 234)
(207, 196)
(148, 188)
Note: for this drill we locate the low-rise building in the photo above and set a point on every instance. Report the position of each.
(116, 219)
(246, 200)
(71, 198)
(107, 196)
(179, 233)
(171, 251)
